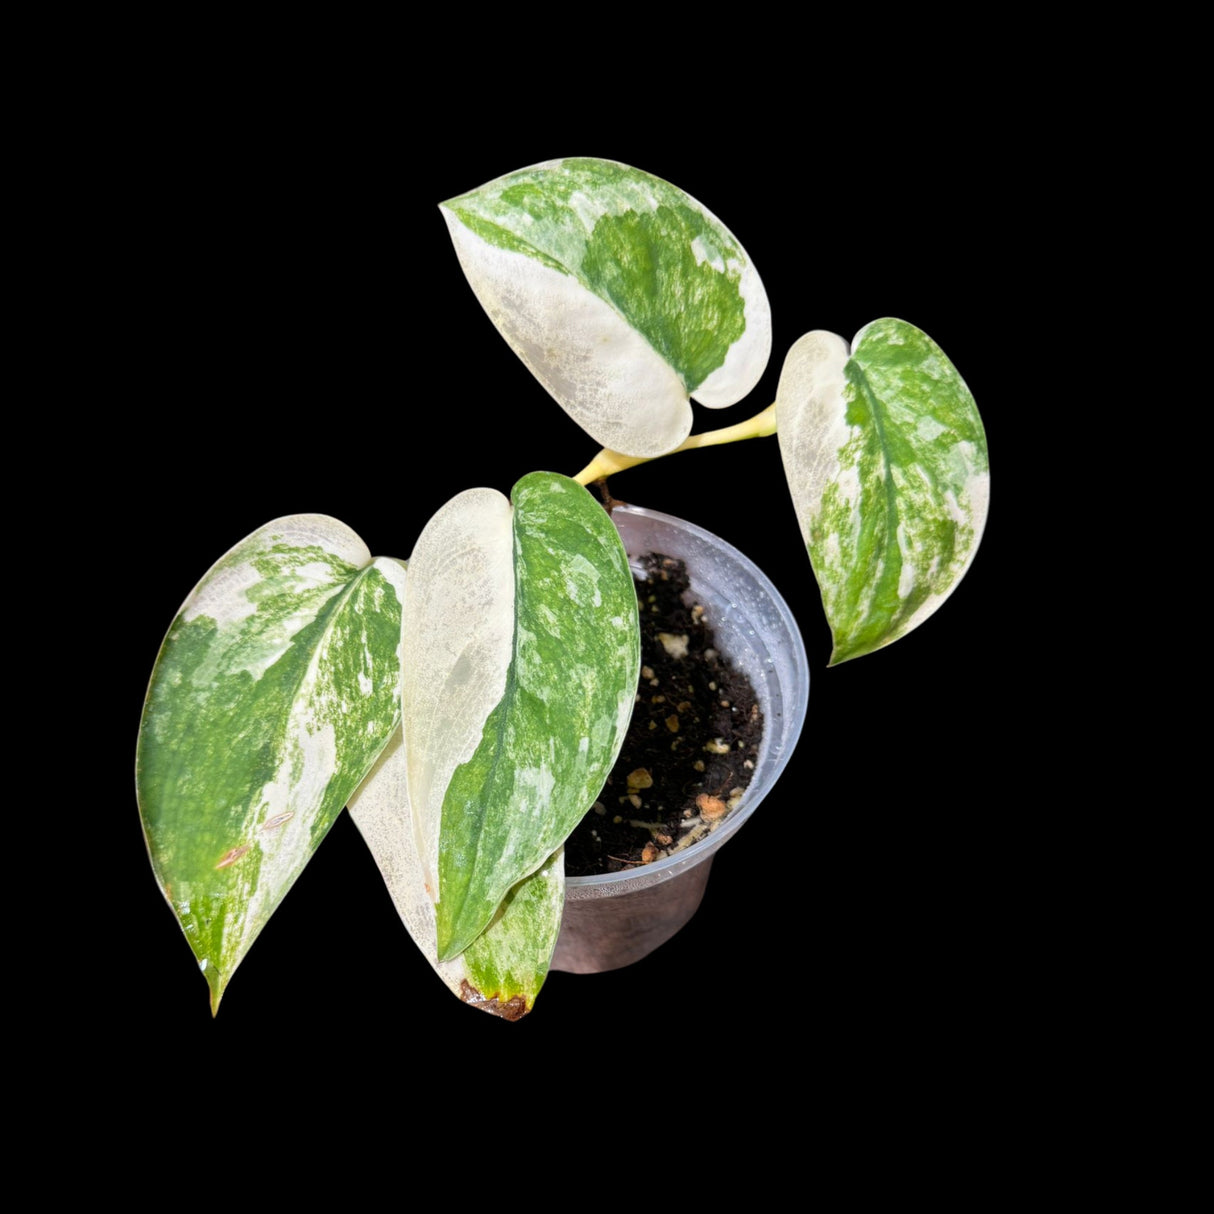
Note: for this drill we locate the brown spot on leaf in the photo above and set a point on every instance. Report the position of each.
(233, 856)
(512, 1009)
(278, 819)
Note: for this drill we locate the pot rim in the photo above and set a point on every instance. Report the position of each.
(775, 750)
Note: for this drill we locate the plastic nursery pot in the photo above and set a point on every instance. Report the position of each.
(615, 919)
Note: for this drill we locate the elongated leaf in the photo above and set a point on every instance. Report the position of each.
(459, 618)
(548, 745)
(886, 458)
(621, 293)
(505, 966)
(274, 691)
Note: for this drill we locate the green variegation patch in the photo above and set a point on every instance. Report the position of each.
(886, 458)
(274, 691)
(621, 293)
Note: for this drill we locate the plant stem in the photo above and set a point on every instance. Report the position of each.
(607, 463)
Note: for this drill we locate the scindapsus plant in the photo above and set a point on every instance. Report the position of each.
(468, 704)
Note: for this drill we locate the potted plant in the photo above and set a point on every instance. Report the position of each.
(301, 632)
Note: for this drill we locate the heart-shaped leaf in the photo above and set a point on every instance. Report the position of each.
(622, 294)
(522, 652)
(549, 743)
(276, 688)
(886, 458)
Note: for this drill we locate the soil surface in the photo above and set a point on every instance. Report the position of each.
(691, 748)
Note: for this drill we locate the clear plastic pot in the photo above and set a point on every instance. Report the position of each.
(617, 918)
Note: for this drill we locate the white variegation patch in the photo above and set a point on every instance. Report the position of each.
(594, 364)
(811, 415)
(458, 627)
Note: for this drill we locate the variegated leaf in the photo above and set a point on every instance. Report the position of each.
(622, 294)
(886, 458)
(459, 620)
(522, 654)
(505, 966)
(276, 688)
(549, 743)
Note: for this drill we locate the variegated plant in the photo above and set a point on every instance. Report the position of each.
(468, 706)
(498, 670)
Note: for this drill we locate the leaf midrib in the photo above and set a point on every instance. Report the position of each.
(891, 553)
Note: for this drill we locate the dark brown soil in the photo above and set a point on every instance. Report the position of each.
(691, 748)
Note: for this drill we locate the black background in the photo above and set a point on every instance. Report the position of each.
(301, 339)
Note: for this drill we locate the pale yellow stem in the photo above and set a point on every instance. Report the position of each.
(608, 463)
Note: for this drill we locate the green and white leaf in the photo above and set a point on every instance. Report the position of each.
(548, 745)
(276, 688)
(458, 617)
(886, 458)
(505, 966)
(522, 652)
(623, 295)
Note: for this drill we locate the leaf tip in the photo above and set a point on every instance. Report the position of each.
(217, 984)
(514, 1008)
(838, 657)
